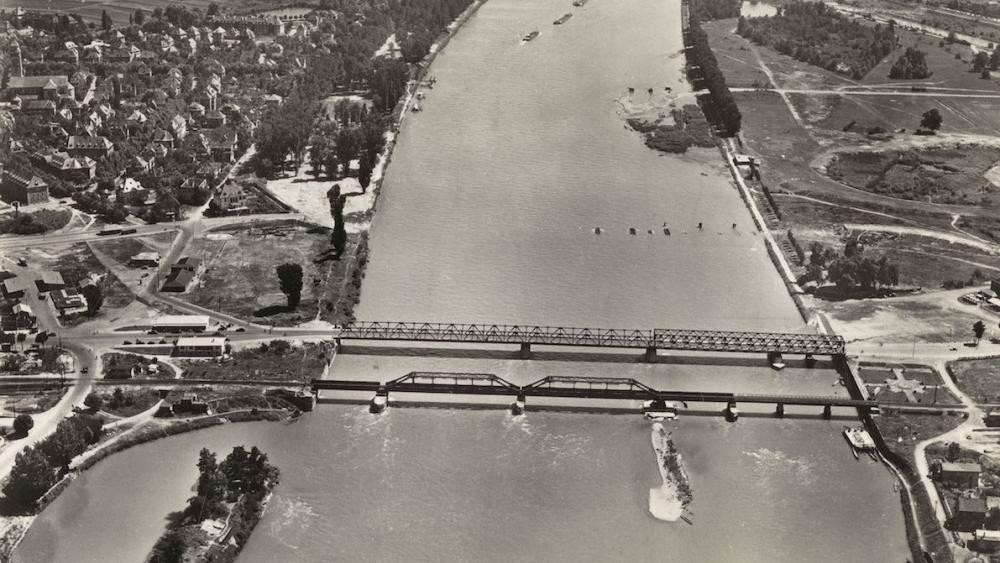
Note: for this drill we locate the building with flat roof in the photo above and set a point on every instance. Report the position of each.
(49, 280)
(14, 288)
(181, 323)
(94, 147)
(178, 280)
(970, 514)
(68, 302)
(49, 87)
(961, 474)
(145, 260)
(200, 346)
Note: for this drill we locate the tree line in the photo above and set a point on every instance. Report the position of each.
(852, 270)
(719, 105)
(911, 64)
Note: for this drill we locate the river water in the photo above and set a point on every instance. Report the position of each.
(486, 215)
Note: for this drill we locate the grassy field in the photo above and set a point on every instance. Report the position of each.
(274, 361)
(162, 371)
(123, 249)
(875, 377)
(240, 278)
(903, 431)
(979, 379)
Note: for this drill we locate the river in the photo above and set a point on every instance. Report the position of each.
(487, 215)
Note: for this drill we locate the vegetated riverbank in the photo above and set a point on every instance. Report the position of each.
(230, 500)
(668, 501)
(358, 256)
(686, 128)
(14, 527)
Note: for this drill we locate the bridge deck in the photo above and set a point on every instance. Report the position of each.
(664, 339)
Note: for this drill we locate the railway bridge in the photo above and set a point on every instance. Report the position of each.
(650, 340)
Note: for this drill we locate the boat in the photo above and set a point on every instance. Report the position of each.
(631, 230)
(420, 95)
(530, 36)
(659, 410)
(563, 19)
(597, 230)
(860, 441)
(416, 107)
(579, 3)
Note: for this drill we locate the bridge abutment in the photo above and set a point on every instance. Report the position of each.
(780, 410)
(379, 402)
(827, 411)
(518, 406)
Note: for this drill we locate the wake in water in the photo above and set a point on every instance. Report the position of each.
(668, 501)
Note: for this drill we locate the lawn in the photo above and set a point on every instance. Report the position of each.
(277, 360)
(153, 369)
(127, 400)
(903, 431)
(979, 379)
(123, 249)
(240, 277)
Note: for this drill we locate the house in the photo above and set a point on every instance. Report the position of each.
(190, 404)
(123, 371)
(179, 126)
(969, 515)
(259, 24)
(14, 288)
(196, 109)
(145, 260)
(272, 100)
(154, 151)
(210, 171)
(131, 192)
(68, 302)
(187, 263)
(49, 87)
(94, 147)
(142, 165)
(39, 107)
(75, 169)
(232, 197)
(214, 118)
(16, 317)
(986, 540)
(200, 346)
(163, 138)
(177, 281)
(25, 191)
(136, 120)
(50, 280)
(194, 184)
(181, 323)
(223, 147)
(961, 474)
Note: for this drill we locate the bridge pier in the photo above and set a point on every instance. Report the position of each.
(827, 411)
(337, 345)
(525, 351)
(780, 410)
(732, 413)
(810, 361)
(379, 402)
(518, 406)
(650, 356)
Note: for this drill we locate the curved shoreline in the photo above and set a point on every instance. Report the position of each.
(135, 436)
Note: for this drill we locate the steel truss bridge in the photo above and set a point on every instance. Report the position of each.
(569, 387)
(648, 339)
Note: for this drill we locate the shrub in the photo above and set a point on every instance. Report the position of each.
(23, 423)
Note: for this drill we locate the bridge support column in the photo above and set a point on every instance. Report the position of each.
(827, 411)
(780, 410)
(336, 345)
(525, 350)
(518, 406)
(379, 402)
(732, 413)
(650, 354)
(810, 361)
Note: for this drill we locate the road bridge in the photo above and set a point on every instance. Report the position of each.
(650, 340)
(574, 388)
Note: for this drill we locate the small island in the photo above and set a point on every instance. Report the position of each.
(230, 498)
(669, 501)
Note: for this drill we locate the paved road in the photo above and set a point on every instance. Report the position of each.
(896, 93)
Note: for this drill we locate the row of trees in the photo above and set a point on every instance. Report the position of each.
(718, 9)
(815, 33)
(911, 64)
(719, 105)
(38, 467)
(852, 269)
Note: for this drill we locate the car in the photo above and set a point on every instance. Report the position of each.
(241, 329)
(84, 369)
(22, 262)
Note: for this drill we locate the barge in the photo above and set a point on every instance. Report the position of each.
(563, 19)
(530, 36)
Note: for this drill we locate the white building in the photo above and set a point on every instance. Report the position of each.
(181, 323)
(200, 346)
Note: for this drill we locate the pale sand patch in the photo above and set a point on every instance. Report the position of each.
(993, 175)
(664, 501)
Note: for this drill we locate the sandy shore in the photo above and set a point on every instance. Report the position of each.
(666, 502)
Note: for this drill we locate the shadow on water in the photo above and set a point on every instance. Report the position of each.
(575, 356)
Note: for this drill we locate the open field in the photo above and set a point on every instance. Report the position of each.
(902, 432)
(274, 361)
(123, 249)
(979, 379)
(240, 276)
(927, 385)
(120, 10)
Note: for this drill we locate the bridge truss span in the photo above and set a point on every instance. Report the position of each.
(649, 339)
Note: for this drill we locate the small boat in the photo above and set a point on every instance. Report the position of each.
(597, 230)
(686, 519)
(579, 3)
(420, 95)
(666, 231)
(416, 108)
(631, 230)
(530, 36)
(563, 19)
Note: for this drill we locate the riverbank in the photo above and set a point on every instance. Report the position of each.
(14, 528)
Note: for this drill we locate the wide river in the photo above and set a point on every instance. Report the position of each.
(487, 215)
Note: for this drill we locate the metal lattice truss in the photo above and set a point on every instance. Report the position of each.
(452, 378)
(664, 339)
(590, 383)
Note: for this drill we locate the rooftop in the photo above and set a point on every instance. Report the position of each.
(961, 467)
(181, 320)
(191, 341)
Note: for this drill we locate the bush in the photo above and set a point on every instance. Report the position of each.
(93, 401)
(23, 423)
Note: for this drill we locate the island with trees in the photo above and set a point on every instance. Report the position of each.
(229, 500)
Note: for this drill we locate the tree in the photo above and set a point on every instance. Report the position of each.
(94, 296)
(213, 9)
(980, 61)
(93, 401)
(30, 478)
(169, 548)
(23, 423)
(979, 329)
(106, 22)
(139, 18)
(954, 451)
(290, 281)
(931, 120)
(995, 59)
